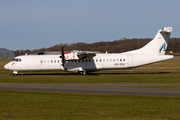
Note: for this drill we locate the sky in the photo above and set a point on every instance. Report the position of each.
(34, 24)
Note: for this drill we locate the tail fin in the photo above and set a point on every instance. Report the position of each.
(158, 45)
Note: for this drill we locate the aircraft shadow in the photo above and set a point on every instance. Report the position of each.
(96, 74)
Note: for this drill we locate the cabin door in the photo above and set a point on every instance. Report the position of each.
(130, 61)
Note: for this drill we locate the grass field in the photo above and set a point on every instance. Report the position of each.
(17, 105)
(51, 105)
(100, 78)
(3, 62)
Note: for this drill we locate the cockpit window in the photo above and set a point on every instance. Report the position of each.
(17, 59)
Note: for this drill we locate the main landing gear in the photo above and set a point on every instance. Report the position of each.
(83, 72)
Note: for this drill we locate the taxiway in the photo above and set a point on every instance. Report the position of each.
(105, 88)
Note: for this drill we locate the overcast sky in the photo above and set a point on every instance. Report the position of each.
(34, 24)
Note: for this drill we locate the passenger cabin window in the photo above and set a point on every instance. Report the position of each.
(123, 59)
(96, 60)
(51, 61)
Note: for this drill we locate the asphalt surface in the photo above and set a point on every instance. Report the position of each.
(94, 88)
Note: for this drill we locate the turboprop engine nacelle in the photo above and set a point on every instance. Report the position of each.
(71, 55)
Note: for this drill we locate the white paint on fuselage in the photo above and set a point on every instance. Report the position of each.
(35, 63)
(99, 62)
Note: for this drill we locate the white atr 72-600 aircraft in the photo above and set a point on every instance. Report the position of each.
(83, 61)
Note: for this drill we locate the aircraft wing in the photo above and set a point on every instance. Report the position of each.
(79, 55)
(84, 54)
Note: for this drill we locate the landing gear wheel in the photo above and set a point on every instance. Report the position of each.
(15, 72)
(83, 72)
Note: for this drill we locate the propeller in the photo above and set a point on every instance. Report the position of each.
(63, 58)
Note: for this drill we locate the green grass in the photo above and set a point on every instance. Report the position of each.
(51, 105)
(101, 78)
(3, 62)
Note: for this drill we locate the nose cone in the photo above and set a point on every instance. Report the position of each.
(6, 67)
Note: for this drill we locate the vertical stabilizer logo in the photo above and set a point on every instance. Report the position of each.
(163, 46)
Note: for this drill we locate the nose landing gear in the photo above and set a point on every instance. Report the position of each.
(15, 72)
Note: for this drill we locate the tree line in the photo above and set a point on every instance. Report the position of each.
(116, 46)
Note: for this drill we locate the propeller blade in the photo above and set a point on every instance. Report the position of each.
(63, 58)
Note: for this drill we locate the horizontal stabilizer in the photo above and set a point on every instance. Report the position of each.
(166, 29)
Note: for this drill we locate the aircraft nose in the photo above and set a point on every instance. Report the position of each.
(6, 67)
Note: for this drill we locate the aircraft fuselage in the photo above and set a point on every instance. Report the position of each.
(99, 62)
